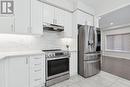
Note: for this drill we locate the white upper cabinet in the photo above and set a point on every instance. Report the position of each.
(53, 15)
(59, 16)
(6, 24)
(22, 16)
(89, 19)
(27, 18)
(68, 24)
(36, 17)
(48, 13)
(83, 18)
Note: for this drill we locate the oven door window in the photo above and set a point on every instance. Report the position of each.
(58, 66)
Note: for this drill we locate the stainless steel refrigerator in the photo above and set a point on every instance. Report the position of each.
(88, 50)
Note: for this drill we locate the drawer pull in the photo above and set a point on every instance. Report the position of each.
(37, 70)
(40, 85)
(37, 64)
(37, 79)
(37, 58)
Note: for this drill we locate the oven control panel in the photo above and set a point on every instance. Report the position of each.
(57, 54)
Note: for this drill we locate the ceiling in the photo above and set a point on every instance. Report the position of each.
(104, 6)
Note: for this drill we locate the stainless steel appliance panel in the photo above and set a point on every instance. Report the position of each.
(57, 66)
(88, 56)
(92, 56)
(88, 36)
(91, 68)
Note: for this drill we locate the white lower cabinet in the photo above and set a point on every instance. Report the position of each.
(22, 71)
(73, 63)
(37, 76)
(2, 74)
(18, 72)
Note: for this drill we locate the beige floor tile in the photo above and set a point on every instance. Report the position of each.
(102, 79)
(118, 85)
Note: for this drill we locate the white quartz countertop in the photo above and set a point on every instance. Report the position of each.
(19, 53)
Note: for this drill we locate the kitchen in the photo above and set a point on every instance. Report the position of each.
(33, 32)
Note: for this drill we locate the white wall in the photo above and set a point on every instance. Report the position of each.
(109, 5)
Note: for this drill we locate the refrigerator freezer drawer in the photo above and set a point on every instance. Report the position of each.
(92, 56)
(91, 68)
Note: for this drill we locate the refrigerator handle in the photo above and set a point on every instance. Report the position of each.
(95, 38)
(89, 37)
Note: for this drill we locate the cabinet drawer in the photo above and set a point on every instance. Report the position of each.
(36, 61)
(36, 72)
(36, 79)
(36, 58)
(91, 67)
(37, 82)
(40, 85)
(36, 64)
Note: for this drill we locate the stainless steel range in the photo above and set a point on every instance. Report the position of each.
(57, 66)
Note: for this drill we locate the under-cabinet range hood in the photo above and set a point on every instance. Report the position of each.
(53, 27)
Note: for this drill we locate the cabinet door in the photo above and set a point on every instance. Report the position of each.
(18, 72)
(2, 73)
(73, 64)
(67, 24)
(89, 19)
(81, 18)
(6, 24)
(48, 13)
(36, 17)
(37, 71)
(22, 16)
(59, 16)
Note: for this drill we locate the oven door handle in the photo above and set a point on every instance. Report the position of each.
(58, 58)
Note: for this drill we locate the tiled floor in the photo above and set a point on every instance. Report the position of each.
(102, 79)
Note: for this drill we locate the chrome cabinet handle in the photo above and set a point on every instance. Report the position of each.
(26, 60)
(54, 21)
(94, 61)
(29, 29)
(37, 70)
(37, 79)
(12, 28)
(37, 64)
(37, 58)
(86, 22)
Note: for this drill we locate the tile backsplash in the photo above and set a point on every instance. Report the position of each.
(49, 40)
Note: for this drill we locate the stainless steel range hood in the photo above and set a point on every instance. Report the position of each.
(53, 27)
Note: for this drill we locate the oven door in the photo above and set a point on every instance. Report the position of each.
(56, 67)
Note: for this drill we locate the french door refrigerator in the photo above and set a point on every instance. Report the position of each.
(88, 55)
